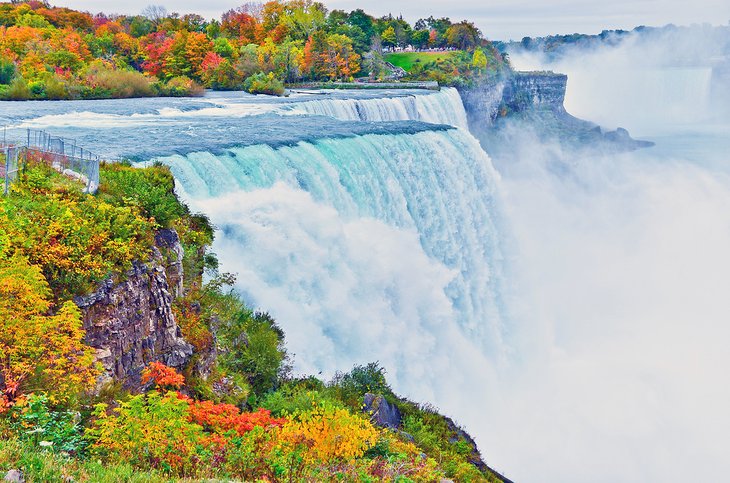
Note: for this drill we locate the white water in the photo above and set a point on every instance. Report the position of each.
(372, 248)
(623, 272)
(437, 185)
(443, 107)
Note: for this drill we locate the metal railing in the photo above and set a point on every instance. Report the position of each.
(62, 154)
(9, 166)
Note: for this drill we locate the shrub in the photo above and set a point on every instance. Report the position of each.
(180, 86)
(328, 434)
(38, 352)
(58, 431)
(163, 376)
(152, 190)
(150, 430)
(261, 83)
(117, 83)
(351, 387)
(18, 90)
(227, 419)
(252, 344)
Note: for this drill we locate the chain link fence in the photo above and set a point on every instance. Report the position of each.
(62, 154)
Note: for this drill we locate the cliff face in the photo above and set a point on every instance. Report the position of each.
(534, 101)
(130, 321)
(535, 90)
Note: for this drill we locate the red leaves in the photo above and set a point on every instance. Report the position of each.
(163, 376)
(224, 418)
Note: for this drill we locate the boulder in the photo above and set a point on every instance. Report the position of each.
(15, 476)
(382, 413)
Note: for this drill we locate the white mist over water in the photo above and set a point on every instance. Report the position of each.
(624, 273)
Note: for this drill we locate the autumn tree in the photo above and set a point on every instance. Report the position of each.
(463, 35)
(479, 60)
(38, 352)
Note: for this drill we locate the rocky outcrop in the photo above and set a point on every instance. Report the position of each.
(168, 242)
(381, 412)
(129, 319)
(534, 101)
(535, 90)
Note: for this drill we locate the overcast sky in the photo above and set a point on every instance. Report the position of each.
(498, 19)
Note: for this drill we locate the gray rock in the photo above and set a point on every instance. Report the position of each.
(382, 413)
(130, 323)
(168, 242)
(534, 102)
(15, 476)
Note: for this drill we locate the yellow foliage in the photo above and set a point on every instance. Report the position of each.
(39, 352)
(329, 434)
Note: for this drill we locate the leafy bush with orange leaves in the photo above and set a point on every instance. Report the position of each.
(164, 377)
(227, 419)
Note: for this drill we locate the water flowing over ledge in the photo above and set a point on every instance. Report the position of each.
(443, 107)
(436, 185)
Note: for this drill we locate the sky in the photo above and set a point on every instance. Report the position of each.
(498, 19)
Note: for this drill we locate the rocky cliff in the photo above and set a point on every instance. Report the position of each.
(129, 318)
(535, 101)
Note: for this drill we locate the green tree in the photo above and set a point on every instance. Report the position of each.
(388, 37)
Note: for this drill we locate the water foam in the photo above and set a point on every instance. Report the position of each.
(376, 247)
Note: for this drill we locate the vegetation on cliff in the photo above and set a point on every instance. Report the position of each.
(232, 412)
(57, 53)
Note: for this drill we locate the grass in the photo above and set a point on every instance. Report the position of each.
(39, 465)
(407, 60)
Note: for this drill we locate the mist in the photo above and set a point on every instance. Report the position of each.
(621, 304)
(649, 81)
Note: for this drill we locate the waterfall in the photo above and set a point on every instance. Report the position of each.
(442, 107)
(373, 247)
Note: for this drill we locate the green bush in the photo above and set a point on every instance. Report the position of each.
(150, 189)
(352, 386)
(180, 86)
(7, 70)
(254, 345)
(18, 90)
(107, 82)
(264, 84)
(59, 431)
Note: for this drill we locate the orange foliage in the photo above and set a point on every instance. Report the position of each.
(162, 375)
(224, 418)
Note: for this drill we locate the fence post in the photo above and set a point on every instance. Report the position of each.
(7, 170)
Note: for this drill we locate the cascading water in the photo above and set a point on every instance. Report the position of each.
(436, 188)
(443, 107)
